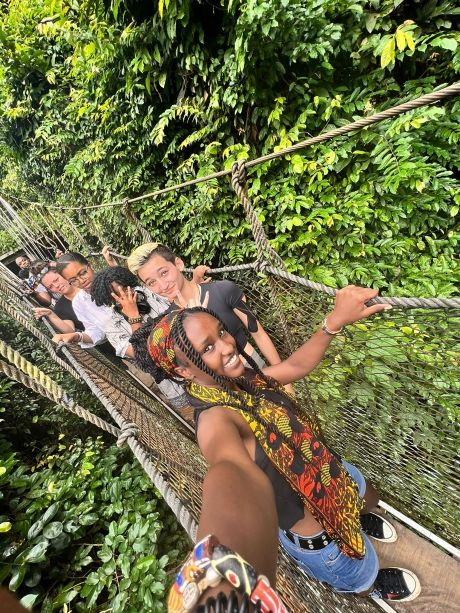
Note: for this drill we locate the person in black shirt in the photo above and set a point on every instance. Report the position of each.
(63, 317)
(161, 271)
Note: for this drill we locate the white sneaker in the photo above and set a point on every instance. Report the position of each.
(377, 527)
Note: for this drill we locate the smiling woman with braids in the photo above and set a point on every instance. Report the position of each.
(245, 419)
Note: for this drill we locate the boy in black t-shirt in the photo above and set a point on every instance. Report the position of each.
(162, 272)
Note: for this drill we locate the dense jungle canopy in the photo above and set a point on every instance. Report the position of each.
(103, 100)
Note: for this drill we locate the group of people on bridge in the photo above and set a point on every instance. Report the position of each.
(272, 477)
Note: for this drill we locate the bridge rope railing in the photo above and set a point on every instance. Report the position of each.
(359, 124)
(167, 471)
(29, 375)
(127, 432)
(402, 302)
(253, 266)
(299, 593)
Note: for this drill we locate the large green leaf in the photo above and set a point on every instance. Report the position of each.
(37, 553)
(17, 577)
(29, 600)
(52, 530)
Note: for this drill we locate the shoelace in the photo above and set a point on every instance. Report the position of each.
(391, 581)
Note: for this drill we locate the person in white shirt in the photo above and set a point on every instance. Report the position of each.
(111, 287)
(79, 273)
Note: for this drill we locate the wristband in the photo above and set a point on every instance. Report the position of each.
(210, 563)
(326, 330)
(80, 337)
(135, 320)
(227, 604)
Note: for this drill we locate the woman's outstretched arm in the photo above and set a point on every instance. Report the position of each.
(238, 509)
(238, 500)
(350, 306)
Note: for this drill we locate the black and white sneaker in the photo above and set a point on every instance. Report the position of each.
(378, 527)
(396, 585)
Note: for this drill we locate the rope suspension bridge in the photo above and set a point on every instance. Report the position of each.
(386, 394)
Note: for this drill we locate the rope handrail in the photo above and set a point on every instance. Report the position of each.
(402, 302)
(44, 340)
(234, 268)
(26, 373)
(127, 433)
(363, 122)
(143, 456)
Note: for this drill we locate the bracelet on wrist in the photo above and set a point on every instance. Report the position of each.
(207, 566)
(223, 604)
(135, 320)
(79, 337)
(328, 331)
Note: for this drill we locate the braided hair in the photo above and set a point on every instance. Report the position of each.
(182, 342)
(142, 358)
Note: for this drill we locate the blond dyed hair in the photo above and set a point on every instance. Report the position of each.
(142, 254)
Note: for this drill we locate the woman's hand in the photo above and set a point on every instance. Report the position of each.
(350, 306)
(42, 312)
(126, 298)
(199, 274)
(69, 337)
(108, 257)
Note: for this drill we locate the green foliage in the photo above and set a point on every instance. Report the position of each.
(107, 100)
(401, 375)
(84, 527)
(81, 526)
(7, 242)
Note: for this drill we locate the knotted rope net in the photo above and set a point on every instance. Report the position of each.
(384, 394)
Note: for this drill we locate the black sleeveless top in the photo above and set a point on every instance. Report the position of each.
(289, 505)
(223, 298)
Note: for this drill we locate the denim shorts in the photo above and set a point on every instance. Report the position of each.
(342, 573)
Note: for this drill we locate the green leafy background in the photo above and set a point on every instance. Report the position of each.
(104, 100)
(81, 526)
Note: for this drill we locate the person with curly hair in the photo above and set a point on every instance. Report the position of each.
(116, 290)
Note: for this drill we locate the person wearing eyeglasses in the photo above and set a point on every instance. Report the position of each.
(79, 273)
(97, 318)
